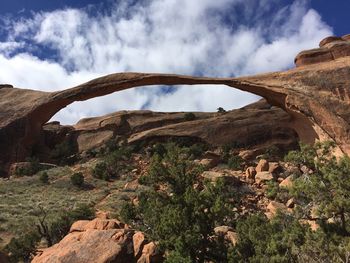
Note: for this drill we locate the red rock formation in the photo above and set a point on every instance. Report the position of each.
(316, 95)
(99, 241)
(330, 49)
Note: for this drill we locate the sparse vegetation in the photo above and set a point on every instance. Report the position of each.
(28, 170)
(44, 178)
(179, 209)
(189, 116)
(23, 248)
(77, 179)
(235, 162)
(221, 110)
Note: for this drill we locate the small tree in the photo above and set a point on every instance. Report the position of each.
(327, 187)
(221, 110)
(77, 179)
(182, 217)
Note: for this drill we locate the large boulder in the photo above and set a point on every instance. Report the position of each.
(100, 241)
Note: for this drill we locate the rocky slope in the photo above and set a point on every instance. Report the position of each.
(315, 95)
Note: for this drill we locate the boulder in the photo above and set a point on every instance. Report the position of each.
(273, 207)
(290, 203)
(214, 176)
(288, 182)
(222, 230)
(149, 254)
(228, 233)
(93, 245)
(100, 241)
(138, 240)
(262, 177)
(250, 172)
(312, 223)
(262, 166)
(274, 168)
(208, 163)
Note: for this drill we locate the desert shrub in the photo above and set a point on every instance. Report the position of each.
(114, 161)
(221, 110)
(60, 226)
(100, 171)
(226, 150)
(23, 248)
(197, 150)
(235, 162)
(189, 116)
(32, 168)
(77, 179)
(181, 217)
(63, 153)
(158, 148)
(262, 240)
(327, 187)
(44, 178)
(272, 190)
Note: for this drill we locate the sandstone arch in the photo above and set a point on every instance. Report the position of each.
(316, 94)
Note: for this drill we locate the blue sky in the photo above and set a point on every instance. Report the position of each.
(51, 45)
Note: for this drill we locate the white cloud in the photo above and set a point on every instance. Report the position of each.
(214, 38)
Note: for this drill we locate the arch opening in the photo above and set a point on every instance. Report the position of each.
(175, 98)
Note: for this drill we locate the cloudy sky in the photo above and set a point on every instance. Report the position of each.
(53, 45)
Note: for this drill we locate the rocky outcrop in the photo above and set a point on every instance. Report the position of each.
(256, 124)
(330, 49)
(245, 127)
(99, 241)
(315, 95)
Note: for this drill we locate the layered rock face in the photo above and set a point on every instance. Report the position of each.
(258, 124)
(315, 95)
(331, 48)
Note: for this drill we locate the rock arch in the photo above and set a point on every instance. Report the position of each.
(316, 94)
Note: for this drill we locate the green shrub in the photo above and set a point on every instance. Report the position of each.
(55, 229)
(44, 178)
(159, 149)
(261, 240)
(63, 152)
(189, 116)
(235, 162)
(221, 110)
(32, 168)
(23, 248)
(182, 217)
(100, 171)
(77, 179)
(272, 190)
(197, 150)
(327, 187)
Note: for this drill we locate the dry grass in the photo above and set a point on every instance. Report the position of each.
(20, 197)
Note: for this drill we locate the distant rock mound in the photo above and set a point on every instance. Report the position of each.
(254, 125)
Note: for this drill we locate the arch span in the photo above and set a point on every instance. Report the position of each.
(316, 96)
